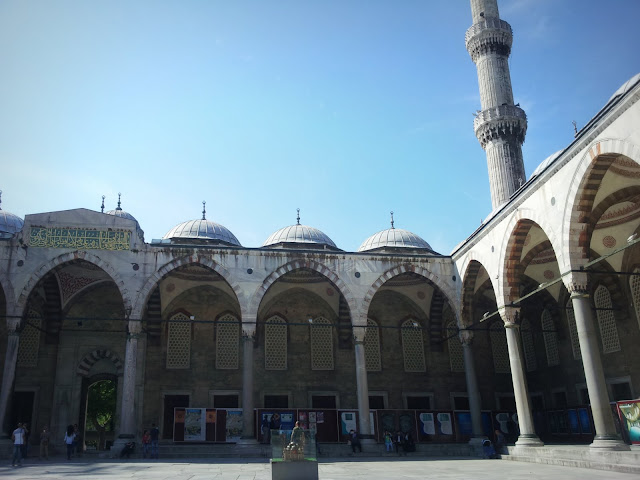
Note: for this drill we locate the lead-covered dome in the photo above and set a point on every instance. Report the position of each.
(394, 238)
(299, 235)
(202, 231)
(119, 212)
(626, 86)
(10, 224)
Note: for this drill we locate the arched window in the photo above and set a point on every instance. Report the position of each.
(372, 347)
(179, 341)
(456, 356)
(634, 284)
(227, 342)
(573, 331)
(321, 344)
(275, 344)
(413, 347)
(550, 338)
(527, 345)
(30, 341)
(606, 320)
(499, 348)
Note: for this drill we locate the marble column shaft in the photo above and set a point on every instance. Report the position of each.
(247, 386)
(471, 378)
(8, 374)
(127, 409)
(362, 387)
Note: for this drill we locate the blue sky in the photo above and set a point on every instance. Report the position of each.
(344, 109)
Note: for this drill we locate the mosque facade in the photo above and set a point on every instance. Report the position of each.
(535, 314)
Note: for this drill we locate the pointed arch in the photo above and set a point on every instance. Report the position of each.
(44, 269)
(584, 186)
(471, 273)
(195, 259)
(9, 295)
(448, 292)
(511, 260)
(317, 267)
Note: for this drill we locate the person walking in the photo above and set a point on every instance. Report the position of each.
(69, 436)
(146, 444)
(355, 441)
(18, 437)
(45, 435)
(155, 435)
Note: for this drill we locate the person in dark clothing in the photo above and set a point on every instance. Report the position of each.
(354, 437)
(155, 435)
(128, 449)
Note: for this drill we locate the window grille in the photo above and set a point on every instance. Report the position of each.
(456, 355)
(413, 347)
(321, 344)
(499, 348)
(29, 345)
(227, 342)
(634, 284)
(550, 338)
(372, 347)
(528, 346)
(573, 331)
(179, 341)
(275, 344)
(606, 320)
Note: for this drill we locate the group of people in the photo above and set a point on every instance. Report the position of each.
(401, 440)
(150, 443)
(20, 438)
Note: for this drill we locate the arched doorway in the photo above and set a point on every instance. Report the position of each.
(97, 427)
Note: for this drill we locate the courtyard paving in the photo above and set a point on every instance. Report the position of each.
(338, 469)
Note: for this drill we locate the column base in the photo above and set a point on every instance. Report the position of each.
(529, 440)
(367, 441)
(605, 443)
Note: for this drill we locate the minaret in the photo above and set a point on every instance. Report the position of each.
(500, 126)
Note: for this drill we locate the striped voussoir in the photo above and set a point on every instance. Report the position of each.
(92, 358)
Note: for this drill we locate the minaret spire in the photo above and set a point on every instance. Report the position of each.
(500, 126)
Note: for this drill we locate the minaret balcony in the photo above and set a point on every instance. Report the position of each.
(493, 35)
(505, 122)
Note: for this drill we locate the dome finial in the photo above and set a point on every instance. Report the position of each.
(102, 206)
(204, 211)
(119, 208)
(298, 218)
(392, 219)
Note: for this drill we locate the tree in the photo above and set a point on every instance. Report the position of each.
(101, 407)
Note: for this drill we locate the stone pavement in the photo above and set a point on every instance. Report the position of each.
(337, 469)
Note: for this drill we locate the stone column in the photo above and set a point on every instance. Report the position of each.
(9, 371)
(606, 437)
(361, 384)
(127, 408)
(248, 428)
(466, 338)
(528, 437)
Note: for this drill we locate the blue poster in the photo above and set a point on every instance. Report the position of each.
(585, 420)
(463, 421)
(573, 421)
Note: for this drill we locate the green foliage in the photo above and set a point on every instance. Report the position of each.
(101, 405)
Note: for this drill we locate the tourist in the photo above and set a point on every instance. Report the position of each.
(69, 437)
(388, 442)
(45, 435)
(155, 435)
(355, 441)
(146, 444)
(18, 437)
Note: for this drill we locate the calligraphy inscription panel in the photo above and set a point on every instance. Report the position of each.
(80, 238)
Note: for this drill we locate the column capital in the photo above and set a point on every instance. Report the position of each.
(511, 316)
(466, 337)
(359, 333)
(134, 327)
(577, 283)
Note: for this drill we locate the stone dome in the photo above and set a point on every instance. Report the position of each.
(394, 238)
(299, 234)
(545, 163)
(10, 224)
(626, 86)
(118, 212)
(202, 230)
